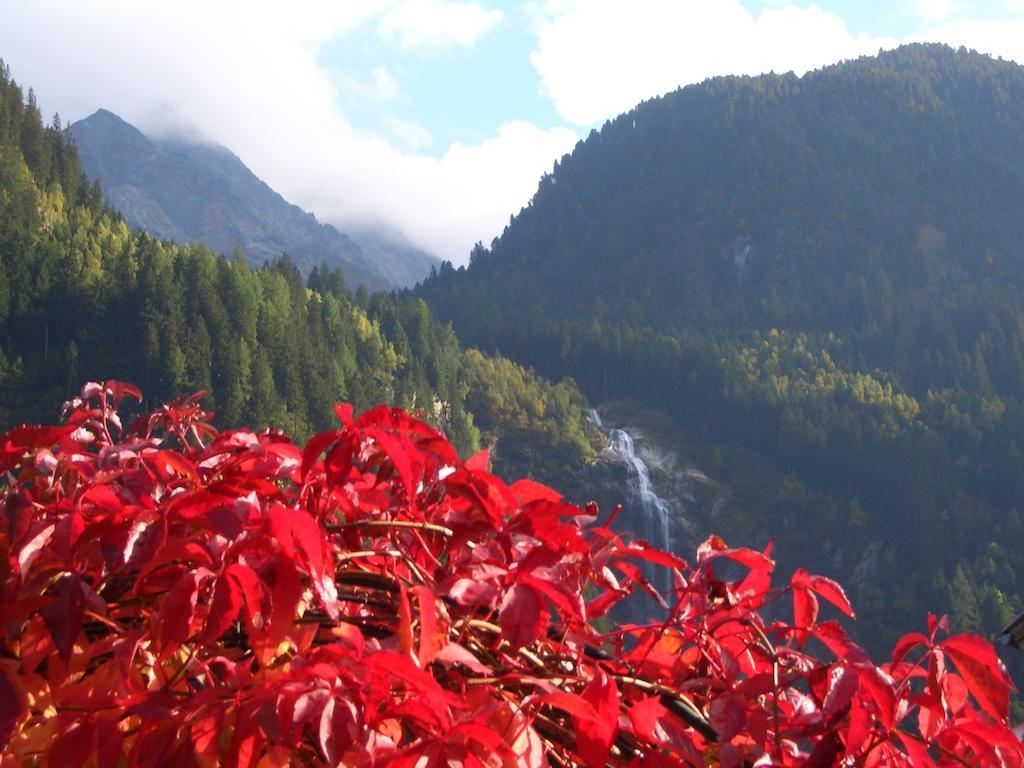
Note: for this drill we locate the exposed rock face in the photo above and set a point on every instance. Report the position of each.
(686, 491)
(189, 191)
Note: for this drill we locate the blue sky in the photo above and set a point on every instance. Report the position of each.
(434, 118)
(460, 94)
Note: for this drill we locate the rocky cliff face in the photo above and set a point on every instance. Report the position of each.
(692, 501)
(189, 191)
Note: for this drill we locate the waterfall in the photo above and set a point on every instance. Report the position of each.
(654, 523)
(647, 515)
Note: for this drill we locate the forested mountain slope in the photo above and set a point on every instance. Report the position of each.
(82, 296)
(189, 191)
(828, 270)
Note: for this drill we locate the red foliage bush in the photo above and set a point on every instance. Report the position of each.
(174, 595)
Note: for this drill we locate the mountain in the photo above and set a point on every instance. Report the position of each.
(191, 191)
(825, 271)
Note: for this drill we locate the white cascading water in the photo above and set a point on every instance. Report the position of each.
(655, 523)
(648, 516)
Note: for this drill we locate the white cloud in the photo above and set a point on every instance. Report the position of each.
(431, 25)
(377, 88)
(998, 38)
(938, 10)
(247, 76)
(384, 83)
(451, 202)
(411, 136)
(597, 58)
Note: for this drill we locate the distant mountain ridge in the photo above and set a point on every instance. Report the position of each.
(190, 191)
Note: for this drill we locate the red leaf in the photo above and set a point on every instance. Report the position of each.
(110, 743)
(825, 752)
(843, 685)
(522, 616)
(835, 638)
(479, 461)
(252, 589)
(527, 491)
(404, 629)
(13, 702)
(935, 623)
(344, 413)
(453, 653)
(33, 547)
(569, 610)
(859, 730)
(303, 539)
(316, 446)
(919, 757)
(570, 703)
(169, 464)
(120, 389)
(644, 716)
(805, 603)
(75, 745)
(224, 608)
(467, 592)
(428, 625)
(325, 732)
(954, 693)
(175, 623)
(641, 550)
(905, 645)
(832, 592)
(20, 440)
(285, 595)
(880, 687)
(714, 547)
(728, 715)
(981, 669)
(594, 737)
(484, 492)
(401, 454)
(64, 615)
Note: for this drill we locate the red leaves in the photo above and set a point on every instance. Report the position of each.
(806, 588)
(174, 624)
(302, 540)
(21, 440)
(527, 490)
(13, 704)
(644, 716)
(728, 716)
(802, 581)
(236, 582)
(63, 614)
(982, 671)
(174, 595)
(522, 615)
(594, 736)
